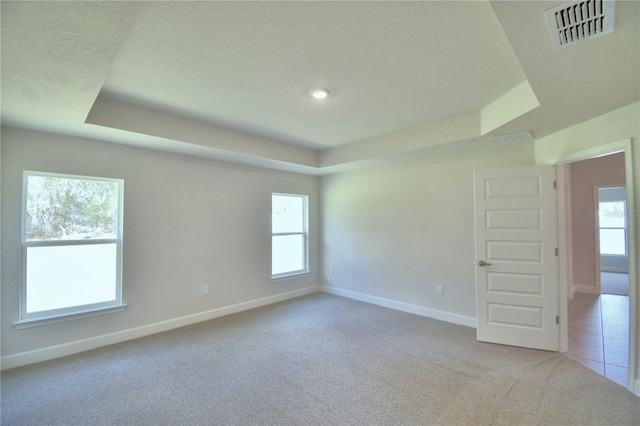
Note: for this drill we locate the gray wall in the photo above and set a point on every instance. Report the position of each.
(585, 176)
(187, 222)
(396, 232)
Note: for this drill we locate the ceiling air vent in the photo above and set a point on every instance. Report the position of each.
(512, 138)
(580, 20)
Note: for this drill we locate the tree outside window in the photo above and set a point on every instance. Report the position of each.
(72, 244)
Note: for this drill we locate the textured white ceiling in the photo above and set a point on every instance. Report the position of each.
(55, 58)
(251, 65)
(231, 80)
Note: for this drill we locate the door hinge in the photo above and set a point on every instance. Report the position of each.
(556, 251)
(557, 319)
(555, 184)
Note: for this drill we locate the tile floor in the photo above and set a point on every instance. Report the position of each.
(599, 334)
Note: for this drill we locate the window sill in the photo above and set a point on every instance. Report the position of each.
(36, 322)
(288, 276)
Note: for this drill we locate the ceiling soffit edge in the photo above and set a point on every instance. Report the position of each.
(124, 116)
(405, 140)
(513, 104)
(120, 115)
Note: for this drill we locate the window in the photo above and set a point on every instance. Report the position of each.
(289, 235)
(71, 245)
(611, 215)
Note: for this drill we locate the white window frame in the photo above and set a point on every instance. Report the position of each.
(624, 229)
(80, 311)
(304, 233)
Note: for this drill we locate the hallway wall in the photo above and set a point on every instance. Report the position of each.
(585, 176)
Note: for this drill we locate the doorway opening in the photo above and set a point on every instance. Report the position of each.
(596, 240)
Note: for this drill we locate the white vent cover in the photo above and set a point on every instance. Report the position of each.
(512, 138)
(580, 20)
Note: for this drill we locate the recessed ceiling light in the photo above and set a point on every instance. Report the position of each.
(320, 93)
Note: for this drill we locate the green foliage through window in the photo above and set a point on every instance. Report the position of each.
(60, 208)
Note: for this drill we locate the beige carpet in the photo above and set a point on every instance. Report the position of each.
(317, 360)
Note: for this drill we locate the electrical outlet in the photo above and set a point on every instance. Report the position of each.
(205, 290)
(439, 289)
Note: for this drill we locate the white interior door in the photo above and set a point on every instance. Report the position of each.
(516, 257)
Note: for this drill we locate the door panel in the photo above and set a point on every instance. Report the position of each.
(513, 219)
(516, 284)
(514, 251)
(502, 282)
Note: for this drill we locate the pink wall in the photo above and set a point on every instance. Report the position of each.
(585, 176)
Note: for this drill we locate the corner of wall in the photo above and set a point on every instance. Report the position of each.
(404, 307)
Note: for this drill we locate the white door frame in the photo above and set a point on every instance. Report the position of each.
(613, 148)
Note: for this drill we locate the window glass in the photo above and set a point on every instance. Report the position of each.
(612, 241)
(612, 222)
(288, 235)
(60, 208)
(65, 276)
(612, 214)
(288, 254)
(287, 214)
(72, 244)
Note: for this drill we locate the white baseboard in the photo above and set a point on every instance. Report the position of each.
(588, 289)
(402, 306)
(57, 351)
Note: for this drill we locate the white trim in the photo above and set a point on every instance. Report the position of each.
(70, 348)
(596, 236)
(588, 154)
(36, 322)
(565, 271)
(402, 306)
(614, 269)
(289, 276)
